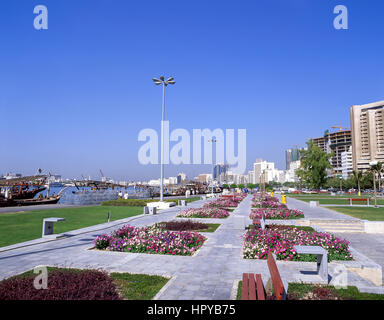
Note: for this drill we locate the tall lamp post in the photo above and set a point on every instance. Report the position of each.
(213, 167)
(163, 82)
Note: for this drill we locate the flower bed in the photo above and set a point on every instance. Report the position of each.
(260, 197)
(153, 240)
(221, 203)
(183, 225)
(269, 204)
(62, 285)
(204, 213)
(281, 239)
(276, 214)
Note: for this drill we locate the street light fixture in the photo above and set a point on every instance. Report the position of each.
(165, 83)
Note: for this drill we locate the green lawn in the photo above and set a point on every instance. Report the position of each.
(364, 213)
(131, 286)
(298, 290)
(20, 227)
(212, 227)
(337, 199)
(326, 195)
(138, 286)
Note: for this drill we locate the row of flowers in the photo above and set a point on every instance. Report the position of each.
(276, 214)
(153, 240)
(281, 239)
(265, 197)
(221, 203)
(210, 212)
(266, 201)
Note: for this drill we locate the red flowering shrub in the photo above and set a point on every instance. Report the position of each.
(62, 285)
(184, 225)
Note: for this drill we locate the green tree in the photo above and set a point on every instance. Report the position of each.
(251, 186)
(233, 186)
(367, 180)
(225, 186)
(241, 186)
(314, 165)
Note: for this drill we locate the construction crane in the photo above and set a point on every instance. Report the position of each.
(103, 178)
(339, 127)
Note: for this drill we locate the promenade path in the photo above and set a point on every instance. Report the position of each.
(212, 273)
(317, 212)
(371, 245)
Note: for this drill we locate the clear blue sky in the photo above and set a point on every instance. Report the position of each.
(73, 98)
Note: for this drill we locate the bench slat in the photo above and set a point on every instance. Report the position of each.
(252, 286)
(260, 288)
(245, 291)
(278, 285)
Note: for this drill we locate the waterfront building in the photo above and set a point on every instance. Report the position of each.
(172, 180)
(367, 134)
(181, 177)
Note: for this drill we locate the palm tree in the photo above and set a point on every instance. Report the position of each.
(358, 175)
(380, 167)
(376, 167)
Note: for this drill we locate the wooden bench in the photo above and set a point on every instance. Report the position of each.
(253, 287)
(358, 199)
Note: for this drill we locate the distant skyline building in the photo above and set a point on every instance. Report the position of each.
(219, 171)
(264, 171)
(367, 134)
(291, 155)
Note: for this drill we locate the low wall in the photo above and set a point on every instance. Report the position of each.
(373, 226)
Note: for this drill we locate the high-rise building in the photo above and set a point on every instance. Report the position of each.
(346, 163)
(336, 142)
(264, 171)
(219, 171)
(181, 177)
(291, 155)
(251, 177)
(367, 134)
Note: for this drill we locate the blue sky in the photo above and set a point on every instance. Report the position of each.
(73, 98)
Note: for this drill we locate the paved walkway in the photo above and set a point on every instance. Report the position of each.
(317, 212)
(212, 273)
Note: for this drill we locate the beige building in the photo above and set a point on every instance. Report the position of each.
(367, 134)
